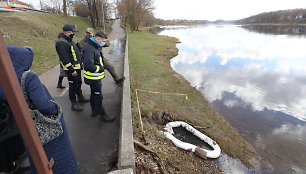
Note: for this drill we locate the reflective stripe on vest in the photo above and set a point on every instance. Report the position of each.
(73, 54)
(93, 76)
(65, 67)
(77, 66)
(97, 69)
(101, 62)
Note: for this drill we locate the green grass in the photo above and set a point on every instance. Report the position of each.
(39, 31)
(149, 57)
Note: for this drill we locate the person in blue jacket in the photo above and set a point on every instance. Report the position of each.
(60, 148)
(94, 73)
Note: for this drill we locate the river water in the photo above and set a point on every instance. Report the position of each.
(255, 77)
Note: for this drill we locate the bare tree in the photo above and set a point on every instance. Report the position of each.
(65, 7)
(56, 6)
(145, 8)
(99, 10)
(133, 11)
(82, 10)
(41, 4)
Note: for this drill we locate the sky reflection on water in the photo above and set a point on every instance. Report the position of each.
(265, 71)
(255, 81)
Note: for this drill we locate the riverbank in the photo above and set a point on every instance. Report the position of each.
(149, 58)
(274, 24)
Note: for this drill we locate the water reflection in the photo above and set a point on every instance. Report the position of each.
(116, 47)
(278, 29)
(273, 67)
(232, 166)
(256, 81)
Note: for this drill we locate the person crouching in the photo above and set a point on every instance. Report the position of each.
(94, 73)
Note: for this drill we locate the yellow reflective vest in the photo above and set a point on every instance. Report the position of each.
(93, 62)
(69, 54)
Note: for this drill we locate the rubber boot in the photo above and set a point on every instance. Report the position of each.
(120, 80)
(82, 99)
(76, 107)
(105, 117)
(60, 83)
(95, 113)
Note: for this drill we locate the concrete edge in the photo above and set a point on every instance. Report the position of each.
(123, 171)
(126, 155)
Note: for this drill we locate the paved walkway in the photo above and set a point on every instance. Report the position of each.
(95, 143)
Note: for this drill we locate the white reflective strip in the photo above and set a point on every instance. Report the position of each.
(97, 93)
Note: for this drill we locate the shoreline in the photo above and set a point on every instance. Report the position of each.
(156, 74)
(273, 24)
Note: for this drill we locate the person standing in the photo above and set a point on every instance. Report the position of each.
(107, 65)
(60, 148)
(70, 59)
(88, 34)
(94, 73)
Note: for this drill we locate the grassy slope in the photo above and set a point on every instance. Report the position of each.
(22, 28)
(149, 57)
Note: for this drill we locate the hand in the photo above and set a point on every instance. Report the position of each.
(74, 73)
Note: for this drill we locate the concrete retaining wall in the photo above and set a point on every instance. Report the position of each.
(126, 157)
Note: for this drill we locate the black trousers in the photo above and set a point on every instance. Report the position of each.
(110, 68)
(96, 96)
(75, 83)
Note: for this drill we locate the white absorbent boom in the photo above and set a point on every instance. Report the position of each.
(204, 153)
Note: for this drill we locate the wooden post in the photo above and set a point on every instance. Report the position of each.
(15, 98)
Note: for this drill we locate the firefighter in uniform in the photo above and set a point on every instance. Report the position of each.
(107, 65)
(70, 59)
(94, 73)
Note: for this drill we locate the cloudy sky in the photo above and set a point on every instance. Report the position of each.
(215, 9)
(220, 9)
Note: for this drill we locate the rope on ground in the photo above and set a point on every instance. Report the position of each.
(152, 92)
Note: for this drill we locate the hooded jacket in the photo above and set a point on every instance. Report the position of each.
(60, 148)
(22, 59)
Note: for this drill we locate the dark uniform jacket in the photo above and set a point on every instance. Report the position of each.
(69, 54)
(93, 64)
